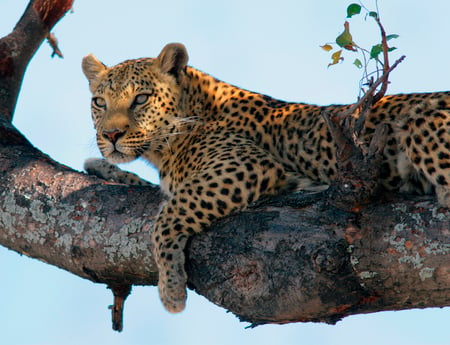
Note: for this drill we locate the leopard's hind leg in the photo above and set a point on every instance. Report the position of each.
(425, 142)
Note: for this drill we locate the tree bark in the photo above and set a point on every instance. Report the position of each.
(298, 259)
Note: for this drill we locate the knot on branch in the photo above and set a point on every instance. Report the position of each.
(357, 178)
(330, 258)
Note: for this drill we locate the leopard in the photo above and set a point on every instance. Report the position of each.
(219, 148)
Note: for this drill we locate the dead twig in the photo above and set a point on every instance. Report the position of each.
(383, 79)
(386, 68)
(53, 41)
(121, 292)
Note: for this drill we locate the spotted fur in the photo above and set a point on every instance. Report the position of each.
(218, 147)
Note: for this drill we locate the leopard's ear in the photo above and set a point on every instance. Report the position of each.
(93, 69)
(173, 59)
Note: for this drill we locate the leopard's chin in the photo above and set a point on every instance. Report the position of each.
(117, 157)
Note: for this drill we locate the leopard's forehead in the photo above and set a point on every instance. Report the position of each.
(129, 75)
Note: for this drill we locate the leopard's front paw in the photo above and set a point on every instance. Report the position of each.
(99, 167)
(102, 168)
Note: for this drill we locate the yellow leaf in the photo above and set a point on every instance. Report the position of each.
(336, 58)
(326, 47)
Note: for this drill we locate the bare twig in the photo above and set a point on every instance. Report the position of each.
(368, 94)
(53, 41)
(370, 100)
(386, 68)
(344, 146)
(121, 292)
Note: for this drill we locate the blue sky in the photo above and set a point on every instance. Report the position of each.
(266, 46)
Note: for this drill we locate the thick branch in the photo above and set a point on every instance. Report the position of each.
(95, 230)
(270, 264)
(317, 264)
(17, 49)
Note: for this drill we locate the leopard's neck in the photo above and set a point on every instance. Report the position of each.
(206, 97)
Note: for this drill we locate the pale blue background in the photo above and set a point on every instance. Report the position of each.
(267, 46)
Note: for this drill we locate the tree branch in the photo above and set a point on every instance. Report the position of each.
(280, 265)
(72, 220)
(267, 265)
(17, 48)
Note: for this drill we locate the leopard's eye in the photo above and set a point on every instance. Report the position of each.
(140, 99)
(99, 102)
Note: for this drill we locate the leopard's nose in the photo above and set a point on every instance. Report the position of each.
(113, 135)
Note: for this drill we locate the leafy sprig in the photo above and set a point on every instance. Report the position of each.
(379, 52)
(345, 42)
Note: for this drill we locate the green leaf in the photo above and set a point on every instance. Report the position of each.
(390, 37)
(353, 9)
(336, 58)
(358, 63)
(326, 47)
(345, 40)
(376, 50)
(373, 14)
(391, 49)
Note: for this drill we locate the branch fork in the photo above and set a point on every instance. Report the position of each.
(358, 172)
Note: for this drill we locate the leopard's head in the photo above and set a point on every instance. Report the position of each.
(136, 104)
